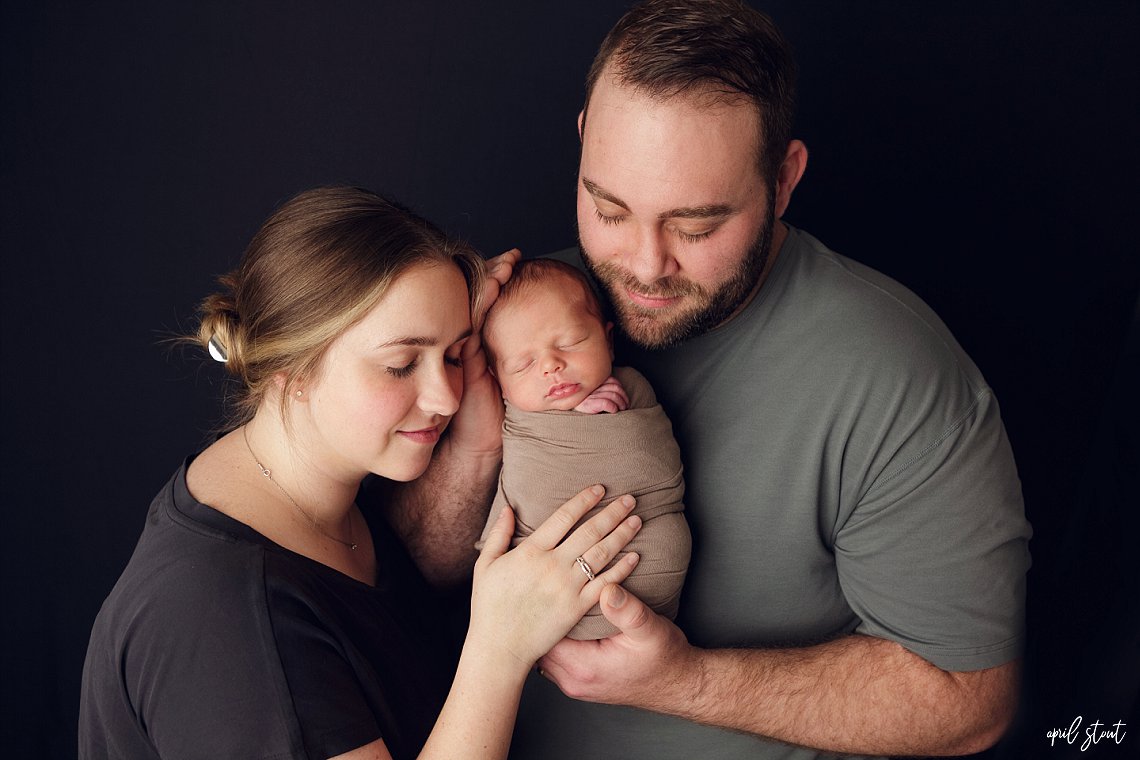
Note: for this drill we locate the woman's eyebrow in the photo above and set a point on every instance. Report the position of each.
(422, 340)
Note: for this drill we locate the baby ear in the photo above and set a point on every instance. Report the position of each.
(610, 338)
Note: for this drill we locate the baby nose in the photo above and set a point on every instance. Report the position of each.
(553, 364)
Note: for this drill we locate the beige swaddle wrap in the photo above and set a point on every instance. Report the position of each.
(548, 457)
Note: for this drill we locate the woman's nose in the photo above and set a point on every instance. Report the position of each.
(442, 391)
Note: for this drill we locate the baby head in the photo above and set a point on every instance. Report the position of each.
(546, 340)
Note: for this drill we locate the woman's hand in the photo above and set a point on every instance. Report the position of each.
(525, 600)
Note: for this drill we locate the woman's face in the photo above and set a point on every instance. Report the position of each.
(389, 385)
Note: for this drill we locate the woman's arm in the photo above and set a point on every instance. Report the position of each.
(522, 603)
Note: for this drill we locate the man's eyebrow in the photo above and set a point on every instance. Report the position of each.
(421, 340)
(708, 211)
(596, 190)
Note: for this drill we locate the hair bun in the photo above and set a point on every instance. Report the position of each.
(219, 330)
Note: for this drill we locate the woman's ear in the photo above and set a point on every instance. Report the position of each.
(294, 387)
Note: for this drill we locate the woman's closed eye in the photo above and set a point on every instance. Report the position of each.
(405, 370)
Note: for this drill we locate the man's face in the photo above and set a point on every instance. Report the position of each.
(674, 217)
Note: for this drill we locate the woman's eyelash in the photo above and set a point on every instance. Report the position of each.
(404, 371)
(454, 361)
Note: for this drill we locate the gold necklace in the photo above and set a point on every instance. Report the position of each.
(315, 525)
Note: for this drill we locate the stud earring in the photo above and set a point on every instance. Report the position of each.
(299, 394)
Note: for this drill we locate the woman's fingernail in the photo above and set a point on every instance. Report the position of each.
(617, 597)
(597, 490)
(628, 501)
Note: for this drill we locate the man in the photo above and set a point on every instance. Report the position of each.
(859, 545)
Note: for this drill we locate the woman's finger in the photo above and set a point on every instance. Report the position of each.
(620, 571)
(598, 527)
(600, 554)
(498, 538)
(554, 528)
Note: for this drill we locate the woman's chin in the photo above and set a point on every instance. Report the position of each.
(404, 471)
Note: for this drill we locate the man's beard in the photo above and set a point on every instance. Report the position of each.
(652, 329)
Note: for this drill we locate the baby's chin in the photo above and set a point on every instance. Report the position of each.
(565, 404)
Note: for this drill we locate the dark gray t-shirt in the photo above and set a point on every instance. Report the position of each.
(847, 471)
(218, 643)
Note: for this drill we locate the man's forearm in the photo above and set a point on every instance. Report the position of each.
(856, 694)
(440, 515)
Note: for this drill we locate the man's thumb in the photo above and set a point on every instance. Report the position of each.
(627, 612)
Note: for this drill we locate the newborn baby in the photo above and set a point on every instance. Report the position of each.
(572, 420)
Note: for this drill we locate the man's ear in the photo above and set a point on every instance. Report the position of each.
(789, 174)
(581, 121)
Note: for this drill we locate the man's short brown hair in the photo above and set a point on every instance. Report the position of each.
(722, 48)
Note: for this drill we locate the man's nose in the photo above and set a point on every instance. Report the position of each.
(649, 258)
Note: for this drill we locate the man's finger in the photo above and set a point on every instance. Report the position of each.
(628, 613)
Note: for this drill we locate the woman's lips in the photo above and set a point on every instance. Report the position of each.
(427, 435)
(562, 390)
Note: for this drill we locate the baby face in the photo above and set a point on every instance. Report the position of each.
(551, 352)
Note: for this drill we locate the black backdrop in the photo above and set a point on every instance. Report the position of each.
(983, 153)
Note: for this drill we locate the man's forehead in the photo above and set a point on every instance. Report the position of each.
(698, 133)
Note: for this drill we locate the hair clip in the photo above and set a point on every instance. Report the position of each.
(216, 350)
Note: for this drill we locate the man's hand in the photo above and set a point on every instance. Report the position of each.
(440, 514)
(609, 397)
(476, 429)
(649, 664)
(853, 695)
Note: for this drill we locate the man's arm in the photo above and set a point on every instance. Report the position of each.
(440, 515)
(856, 694)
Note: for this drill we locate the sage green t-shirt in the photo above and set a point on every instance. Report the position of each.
(847, 471)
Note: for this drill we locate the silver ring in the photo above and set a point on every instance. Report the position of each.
(585, 567)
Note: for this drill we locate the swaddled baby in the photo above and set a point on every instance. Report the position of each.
(573, 420)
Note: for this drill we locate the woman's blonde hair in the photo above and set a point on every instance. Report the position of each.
(315, 268)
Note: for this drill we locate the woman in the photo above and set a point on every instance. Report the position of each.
(264, 613)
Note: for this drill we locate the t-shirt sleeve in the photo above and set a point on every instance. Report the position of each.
(332, 710)
(202, 666)
(934, 554)
(237, 670)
